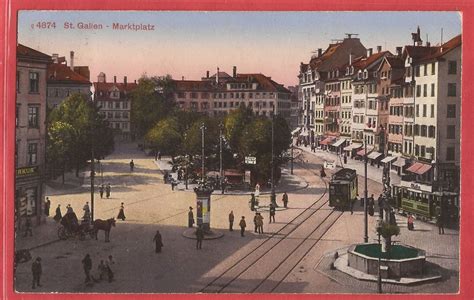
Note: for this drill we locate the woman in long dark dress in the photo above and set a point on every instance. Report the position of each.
(121, 214)
(58, 216)
(158, 242)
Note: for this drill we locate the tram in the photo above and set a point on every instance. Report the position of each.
(425, 203)
(342, 188)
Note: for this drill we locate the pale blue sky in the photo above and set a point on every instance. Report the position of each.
(189, 43)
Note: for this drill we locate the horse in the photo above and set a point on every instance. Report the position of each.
(104, 225)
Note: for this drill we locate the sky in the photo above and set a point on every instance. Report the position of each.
(190, 43)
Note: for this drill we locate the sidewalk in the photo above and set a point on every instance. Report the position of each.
(373, 172)
(288, 182)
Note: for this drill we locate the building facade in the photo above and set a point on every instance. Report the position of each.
(114, 102)
(30, 121)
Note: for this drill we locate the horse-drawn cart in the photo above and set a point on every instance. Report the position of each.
(71, 228)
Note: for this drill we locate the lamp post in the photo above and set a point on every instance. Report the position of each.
(273, 197)
(379, 278)
(203, 127)
(366, 233)
(291, 156)
(221, 127)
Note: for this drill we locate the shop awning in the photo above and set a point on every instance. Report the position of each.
(374, 155)
(233, 172)
(400, 162)
(419, 168)
(326, 141)
(338, 142)
(388, 159)
(352, 146)
(362, 151)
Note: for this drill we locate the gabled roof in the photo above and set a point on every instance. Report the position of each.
(62, 73)
(105, 87)
(23, 51)
(198, 85)
(395, 62)
(367, 62)
(445, 48)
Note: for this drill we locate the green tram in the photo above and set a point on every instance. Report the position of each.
(426, 204)
(342, 188)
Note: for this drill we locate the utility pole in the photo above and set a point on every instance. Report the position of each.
(202, 154)
(221, 126)
(92, 181)
(292, 156)
(273, 197)
(366, 229)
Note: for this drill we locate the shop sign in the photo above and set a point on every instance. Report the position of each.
(27, 171)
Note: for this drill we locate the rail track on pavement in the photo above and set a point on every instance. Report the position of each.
(274, 259)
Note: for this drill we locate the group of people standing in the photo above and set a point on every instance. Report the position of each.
(104, 269)
(106, 188)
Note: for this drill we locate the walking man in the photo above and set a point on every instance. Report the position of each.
(47, 205)
(285, 200)
(190, 217)
(231, 220)
(58, 216)
(440, 224)
(380, 204)
(132, 165)
(121, 214)
(199, 237)
(87, 264)
(252, 202)
(259, 223)
(87, 213)
(107, 190)
(242, 225)
(36, 269)
(101, 191)
(28, 226)
(351, 204)
(272, 212)
(255, 222)
(158, 242)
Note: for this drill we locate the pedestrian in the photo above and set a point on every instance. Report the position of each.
(393, 220)
(58, 216)
(257, 190)
(351, 204)
(107, 190)
(370, 205)
(362, 200)
(272, 212)
(36, 269)
(231, 220)
(47, 205)
(410, 222)
(380, 204)
(159, 155)
(255, 223)
(199, 237)
(28, 226)
(285, 200)
(242, 225)
(223, 186)
(87, 264)
(69, 209)
(259, 223)
(132, 165)
(190, 217)
(440, 223)
(158, 242)
(101, 191)
(102, 270)
(87, 213)
(121, 214)
(345, 158)
(173, 184)
(322, 173)
(252, 202)
(108, 263)
(180, 174)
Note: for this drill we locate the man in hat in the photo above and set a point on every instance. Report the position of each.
(242, 225)
(36, 269)
(190, 217)
(158, 242)
(199, 237)
(231, 220)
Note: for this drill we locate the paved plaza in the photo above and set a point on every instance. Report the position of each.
(151, 205)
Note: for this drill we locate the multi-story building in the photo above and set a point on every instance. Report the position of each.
(295, 108)
(313, 76)
(220, 93)
(64, 80)
(31, 76)
(113, 99)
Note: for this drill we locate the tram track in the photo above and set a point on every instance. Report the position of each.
(234, 274)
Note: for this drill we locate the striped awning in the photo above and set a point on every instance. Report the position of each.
(326, 141)
(374, 155)
(361, 152)
(401, 162)
(352, 146)
(388, 159)
(419, 168)
(338, 142)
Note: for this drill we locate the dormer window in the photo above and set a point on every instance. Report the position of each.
(366, 74)
(359, 75)
(375, 74)
(352, 70)
(348, 70)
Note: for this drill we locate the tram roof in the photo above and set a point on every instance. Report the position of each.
(344, 174)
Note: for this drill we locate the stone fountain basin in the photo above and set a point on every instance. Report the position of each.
(402, 261)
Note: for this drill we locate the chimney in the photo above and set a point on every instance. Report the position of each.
(182, 77)
(351, 58)
(115, 79)
(207, 74)
(369, 52)
(428, 44)
(399, 51)
(55, 58)
(217, 76)
(125, 80)
(72, 60)
(234, 72)
(320, 52)
(379, 49)
(135, 81)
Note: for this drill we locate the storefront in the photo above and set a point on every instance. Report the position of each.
(28, 195)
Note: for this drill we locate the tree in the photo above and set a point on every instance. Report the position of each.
(234, 123)
(60, 141)
(152, 101)
(164, 136)
(79, 120)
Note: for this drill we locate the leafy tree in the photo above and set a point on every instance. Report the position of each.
(164, 136)
(60, 141)
(235, 123)
(152, 101)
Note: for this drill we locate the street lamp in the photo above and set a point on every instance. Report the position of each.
(273, 197)
(366, 233)
(203, 127)
(221, 127)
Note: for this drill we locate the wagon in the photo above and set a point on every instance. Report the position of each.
(71, 228)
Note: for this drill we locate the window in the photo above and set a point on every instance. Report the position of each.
(417, 71)
(33, 116)
(450, 153)
(117, 125)
(181, 95)
(111, 105)
(432, 90)
(32, 153)
(424, 110)
(125, 115)
(18, 81)
(418, 91)
(423, 131)
(117, 104)
(423, 151)
(34, 82)
(432, 110)
(125, 105)
(417, 110)
(452, 67)
(125, 125)
(451, 132)
(433, 68)
(425, 70)
(117, 115)
(451, 111)
(425, 90)
(451, 89)
(110, 115)
(431, 131)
